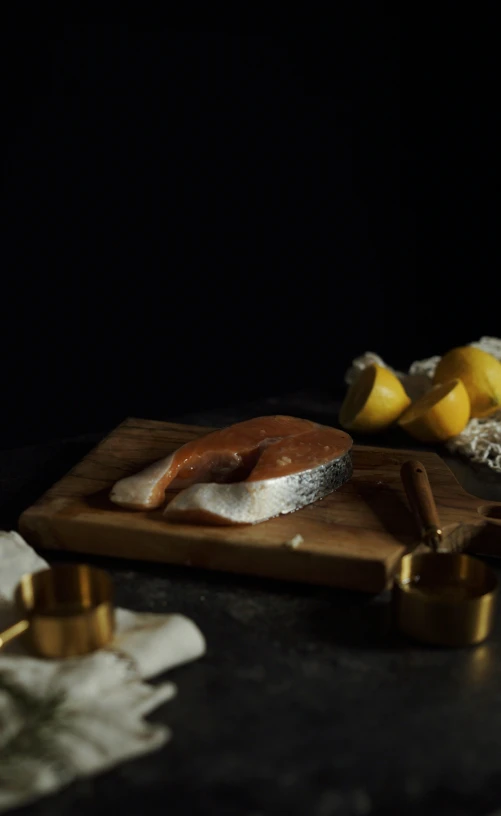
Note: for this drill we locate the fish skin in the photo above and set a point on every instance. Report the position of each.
(277, 464)
(253, 502)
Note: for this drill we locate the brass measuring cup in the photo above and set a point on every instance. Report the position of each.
(441, 597)
(66, 611)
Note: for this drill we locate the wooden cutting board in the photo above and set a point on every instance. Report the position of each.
(354, 538)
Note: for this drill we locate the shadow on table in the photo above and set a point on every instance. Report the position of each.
(366, 624)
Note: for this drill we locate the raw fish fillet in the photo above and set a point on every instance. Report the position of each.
(245, 473)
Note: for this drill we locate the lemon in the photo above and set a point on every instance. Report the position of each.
(441, 413)
(374, 401)
(480, 373)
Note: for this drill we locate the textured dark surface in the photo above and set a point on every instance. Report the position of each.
(307, 702)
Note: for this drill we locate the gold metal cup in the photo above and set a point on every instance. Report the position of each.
(66, 611)
(447, 599)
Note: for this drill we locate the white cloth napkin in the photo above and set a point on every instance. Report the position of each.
(480, 442)
(61, 719)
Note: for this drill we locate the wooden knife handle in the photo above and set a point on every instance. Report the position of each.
(418, 490)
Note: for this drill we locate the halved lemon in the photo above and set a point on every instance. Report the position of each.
(441, 413)
(480, 373)
(374, 401)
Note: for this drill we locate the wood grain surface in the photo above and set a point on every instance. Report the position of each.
(352, 539)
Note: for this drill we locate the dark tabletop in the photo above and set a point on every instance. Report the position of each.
(307, 703)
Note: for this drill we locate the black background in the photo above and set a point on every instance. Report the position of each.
(199, 217)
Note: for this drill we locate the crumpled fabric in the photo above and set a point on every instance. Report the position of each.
(480, 442)
(64, 719)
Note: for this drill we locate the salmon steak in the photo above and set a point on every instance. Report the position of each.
(243, 474)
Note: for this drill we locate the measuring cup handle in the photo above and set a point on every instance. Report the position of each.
(13, 632)
(418, 490)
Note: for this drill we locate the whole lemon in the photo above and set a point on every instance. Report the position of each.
(480, 373)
